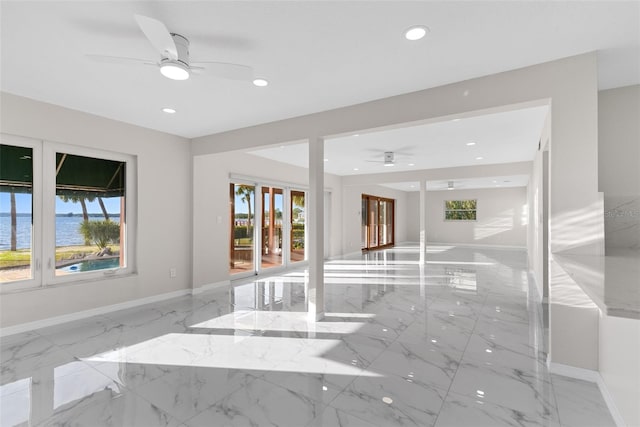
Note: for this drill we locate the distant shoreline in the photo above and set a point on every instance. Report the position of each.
(70, 214)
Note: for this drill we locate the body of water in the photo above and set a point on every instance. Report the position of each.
(67, 230)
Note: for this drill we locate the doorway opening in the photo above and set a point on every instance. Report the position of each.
(378, 222)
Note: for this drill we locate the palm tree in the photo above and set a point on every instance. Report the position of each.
(14, 223)
(104, 210)
(78, 199)
(245, 192)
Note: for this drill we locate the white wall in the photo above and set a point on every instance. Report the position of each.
(619, 164)
(164, 209)
(412, 217)
(352, 219)
(211, 214)
(619, 359)
(501, 217)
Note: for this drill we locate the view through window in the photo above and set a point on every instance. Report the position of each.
(460, 210)
(90, 200)
(16, 213)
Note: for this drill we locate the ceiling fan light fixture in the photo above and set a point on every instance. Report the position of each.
(416, 32)
(260, 82)
(174, 70)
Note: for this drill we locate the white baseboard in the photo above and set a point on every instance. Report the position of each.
(210, 286)
(51, 321)
(594, 377)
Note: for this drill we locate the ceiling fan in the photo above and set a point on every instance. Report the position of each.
(174, 60)
(388, 160)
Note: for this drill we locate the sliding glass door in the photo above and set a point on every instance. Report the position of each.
(297, 220)
(268, 228)
(272, 211)
(377, 222)
(242, 203)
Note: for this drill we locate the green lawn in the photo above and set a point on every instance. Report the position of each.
(22, 257)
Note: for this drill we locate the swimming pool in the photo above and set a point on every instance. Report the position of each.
(91, 265)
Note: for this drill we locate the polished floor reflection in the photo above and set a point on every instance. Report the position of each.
(457, 341)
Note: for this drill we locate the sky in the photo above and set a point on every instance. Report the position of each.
(23, 205)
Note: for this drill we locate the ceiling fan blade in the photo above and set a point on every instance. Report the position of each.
(158, 35)
(119, 60)
(226, 70)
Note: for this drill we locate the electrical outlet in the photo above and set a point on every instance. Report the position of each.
(172, 272)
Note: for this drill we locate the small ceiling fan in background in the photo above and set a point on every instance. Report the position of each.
(389, 157)
(174, 60)
(388, 160)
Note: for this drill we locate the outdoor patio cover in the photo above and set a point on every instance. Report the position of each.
(76, 175)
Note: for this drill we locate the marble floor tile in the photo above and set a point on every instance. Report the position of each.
(332, 417)
(185, 393)
(428, 363)
(512, 388)
(260, 403)
(391, 401)
(580, 403)
(23, 353)
(463, 411)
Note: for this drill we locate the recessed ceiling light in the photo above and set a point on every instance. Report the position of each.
(387, 400)
(326, 160)
(412, 164)
(356, 169)
(174, 70)
(416, 32)
(456, 120)
(413, 186)
(479, 158)
(389, 165)
(168, 110)
(471, 143)
(260, 82)
(356, 134)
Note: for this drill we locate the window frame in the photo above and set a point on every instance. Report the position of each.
(475, 211)
(44, 216)
(49, 197)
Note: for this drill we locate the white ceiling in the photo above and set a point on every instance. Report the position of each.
(504, 137)
(317, 55)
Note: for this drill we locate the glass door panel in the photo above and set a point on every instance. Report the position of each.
(272, 209)
(389, 222)
(298, 223)
(364, 228)
(373, 223)
(242, 202)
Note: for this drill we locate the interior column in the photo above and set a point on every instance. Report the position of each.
(315, 218)
(423, 221)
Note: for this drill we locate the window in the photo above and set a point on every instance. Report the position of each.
(460, 210)
(90, 221)
(16, 213)
(65, 213)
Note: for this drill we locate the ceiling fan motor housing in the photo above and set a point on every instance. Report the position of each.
(182, 47)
